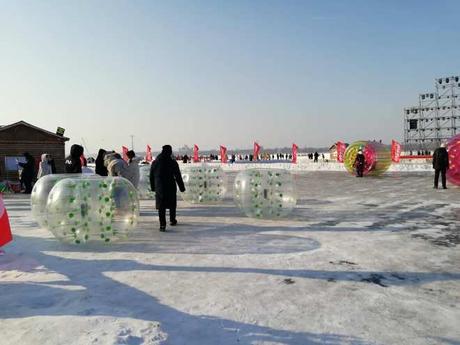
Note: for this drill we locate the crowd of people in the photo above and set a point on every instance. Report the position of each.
(420, 153)
(165, 174)
(249, 157)
(108, 163)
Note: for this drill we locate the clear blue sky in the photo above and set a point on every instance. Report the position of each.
(222, 72)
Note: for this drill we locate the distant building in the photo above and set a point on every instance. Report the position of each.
(20, 137)
(333, 152)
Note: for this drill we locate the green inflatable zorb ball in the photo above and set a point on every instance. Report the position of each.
(143, 189)
(265, 193)
(92, 210)
(204, 184)
(40, 194)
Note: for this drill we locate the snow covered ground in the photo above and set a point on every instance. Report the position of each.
(360, 261)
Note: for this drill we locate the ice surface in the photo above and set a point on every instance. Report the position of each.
(358, 261)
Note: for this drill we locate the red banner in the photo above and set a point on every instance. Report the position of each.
(341, 147)
(196, 157)
(5, 230)
(395, 151)
(256, 151)
(223, 154)
(148, 154)
(294, 153)
(125, 153)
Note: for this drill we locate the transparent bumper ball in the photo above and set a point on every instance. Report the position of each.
(377, 157)
(40, 194)
(453, 147)
(204, 184)
(265, 193)
(143, 188)
(92, 210)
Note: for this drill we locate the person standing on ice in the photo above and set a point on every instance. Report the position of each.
(360, 161)
(28, 172)
(52, 164)
(440, 165)
(101, 169)
(45, 166)
(116, 166)
(165, 175)
(73, 162)
(132, 170)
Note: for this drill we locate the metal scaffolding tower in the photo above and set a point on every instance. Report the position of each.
(436, 118)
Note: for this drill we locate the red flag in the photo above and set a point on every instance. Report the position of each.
(223, 154)
(5, 230)
(256, 151)
(294, 153)
(395, 151)
(148, 154)
(341, 147)
(196, 158)
(125, 153)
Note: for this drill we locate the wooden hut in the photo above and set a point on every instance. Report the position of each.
(20, 137)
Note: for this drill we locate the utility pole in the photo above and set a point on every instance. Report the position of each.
(84, 145)
(132, 142)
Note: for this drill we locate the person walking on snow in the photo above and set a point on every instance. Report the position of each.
(165, 176)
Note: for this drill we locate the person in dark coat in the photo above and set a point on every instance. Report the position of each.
(73, 162)
(165, 175)
(101, 169)
(360, 161)
(440, 165)
(52, 164)
(28, 172)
